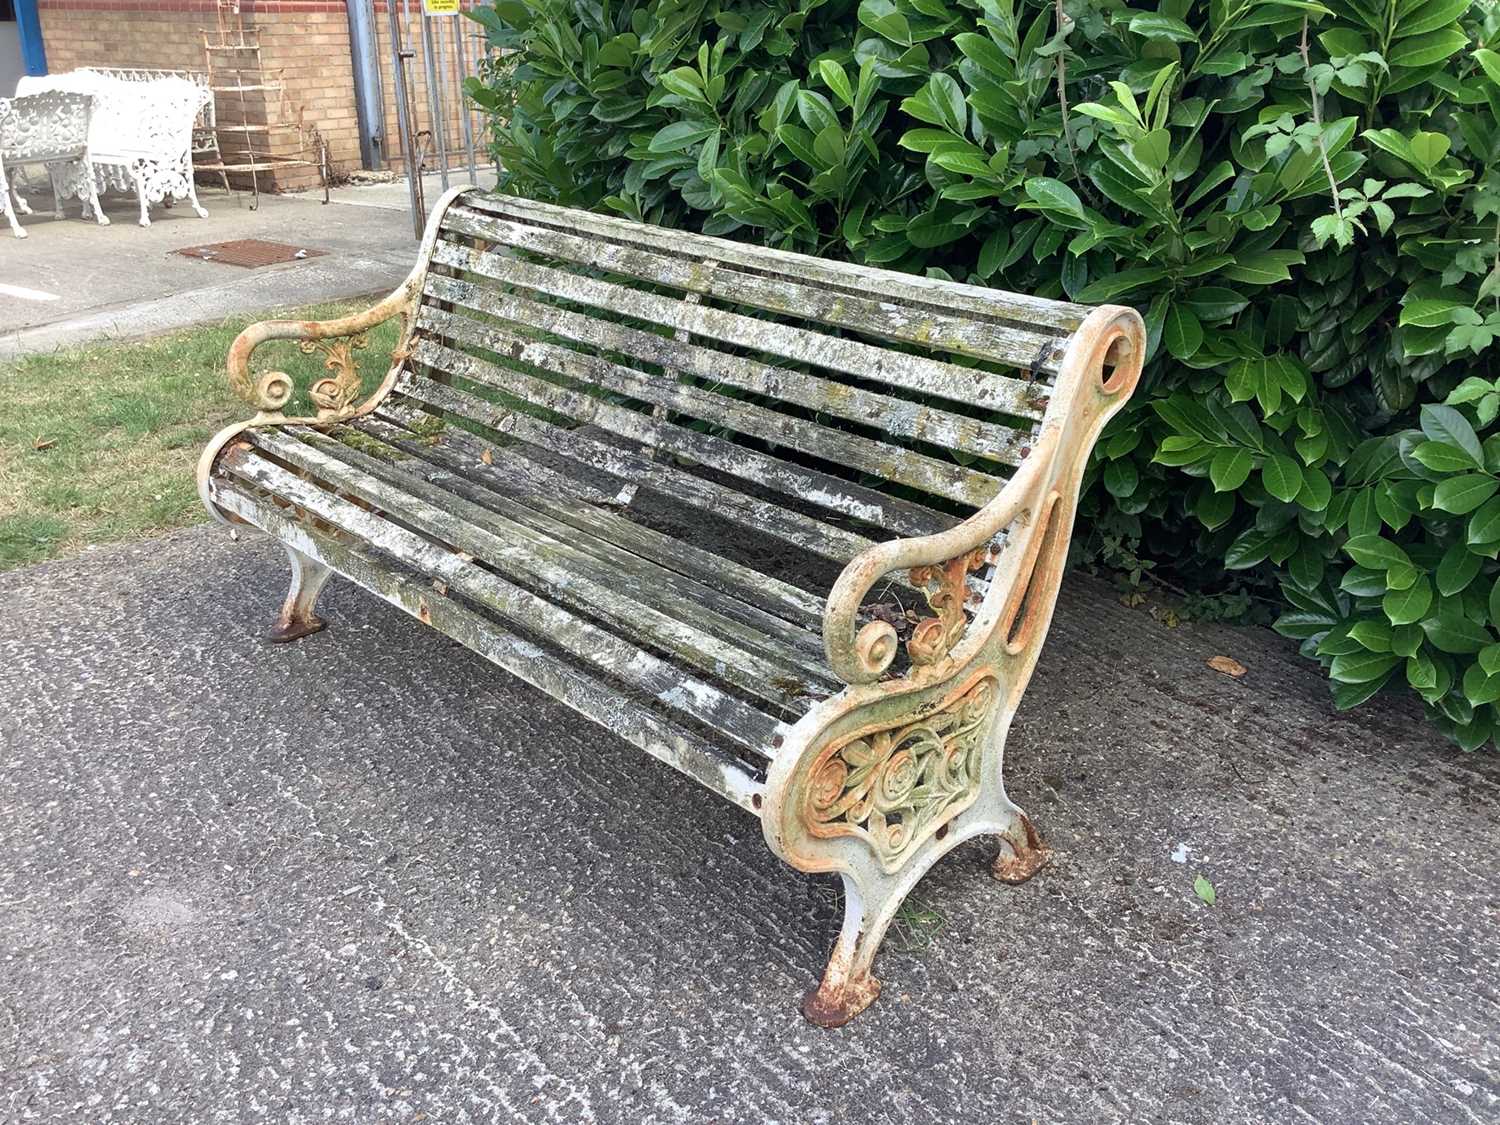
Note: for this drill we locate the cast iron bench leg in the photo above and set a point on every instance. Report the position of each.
(297, 618)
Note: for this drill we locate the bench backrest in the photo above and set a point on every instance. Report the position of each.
(881, 402)
(206, 117)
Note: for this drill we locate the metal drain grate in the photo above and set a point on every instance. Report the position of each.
(251, 253)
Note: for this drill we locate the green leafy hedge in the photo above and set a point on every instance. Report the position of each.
(1301, 196)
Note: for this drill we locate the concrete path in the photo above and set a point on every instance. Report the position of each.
(368, 878)
(71, 281)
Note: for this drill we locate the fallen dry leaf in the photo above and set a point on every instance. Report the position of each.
(487, 457)
(41, 443)
(1228, 665)
(894, 616)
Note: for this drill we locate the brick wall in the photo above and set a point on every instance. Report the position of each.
(304, 50)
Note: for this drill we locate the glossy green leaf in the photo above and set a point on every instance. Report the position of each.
(1182, 332)
(1484, 525)
(1375, 552)
(1362, 666)
(1447, 425)
(1282, 477)
(1424, 50)
(1154, 26)
(1406, 607)
(1462, 494)
(1451, 632)
(1230, 468)
(1459, 567)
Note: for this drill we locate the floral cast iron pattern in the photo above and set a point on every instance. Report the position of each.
(337, 392)
(890, 785)
(946, 586)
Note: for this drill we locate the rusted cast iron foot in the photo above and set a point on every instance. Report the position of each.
(284, 631)
(833, 1006)
(297, 618)
(1020, 859)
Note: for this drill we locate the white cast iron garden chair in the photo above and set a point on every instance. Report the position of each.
(51, 129)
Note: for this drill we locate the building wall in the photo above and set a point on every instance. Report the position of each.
(11, 67)
(304, 46)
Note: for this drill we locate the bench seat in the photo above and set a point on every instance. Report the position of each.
(793, 527)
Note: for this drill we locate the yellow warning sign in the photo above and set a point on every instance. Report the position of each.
(440, 7)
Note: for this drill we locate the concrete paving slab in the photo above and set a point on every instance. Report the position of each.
(367, 877)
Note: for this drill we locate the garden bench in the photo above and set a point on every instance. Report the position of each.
(629, 465)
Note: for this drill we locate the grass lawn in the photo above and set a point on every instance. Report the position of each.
(98, 444)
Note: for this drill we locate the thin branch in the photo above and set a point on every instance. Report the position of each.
(1062, 86)
(1062, 99)
(1317, 112)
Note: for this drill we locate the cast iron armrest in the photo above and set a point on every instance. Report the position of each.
(335, 393)
(1041, 494)
(861, 655)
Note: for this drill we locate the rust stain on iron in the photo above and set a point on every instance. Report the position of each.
(1015, 866)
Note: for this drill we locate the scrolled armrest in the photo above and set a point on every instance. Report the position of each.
(1098, 372)
(337, 339)
(943, 560)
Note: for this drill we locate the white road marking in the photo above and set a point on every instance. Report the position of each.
(26, 294)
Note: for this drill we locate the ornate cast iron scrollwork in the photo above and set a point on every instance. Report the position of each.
(946, 585)
(337, 392)
(889, 785)
(333, 394)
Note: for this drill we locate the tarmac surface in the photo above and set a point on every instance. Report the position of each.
(367, 877)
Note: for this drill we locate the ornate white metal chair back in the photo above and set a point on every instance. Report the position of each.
(141, 137)
(53, 125)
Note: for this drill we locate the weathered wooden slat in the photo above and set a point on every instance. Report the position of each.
(623, 600)
(868, 313)
(541, 616)
(951, 296)
(588, 694)
(810, 485)
(512, 475)
(865, 455)
(824, 540)
(916, 421)
(663, 589)
(835, 353)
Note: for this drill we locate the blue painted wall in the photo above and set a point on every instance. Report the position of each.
(32, 52)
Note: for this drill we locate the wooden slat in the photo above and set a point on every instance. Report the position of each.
(952, 296)
(622, 599)
(785, 524)
(865, 455)
(664, 589)
(866, 312)
(810, 485)
(588, 694)
(542, 617)
(511, 474)
(916, 421)
(852, 357)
